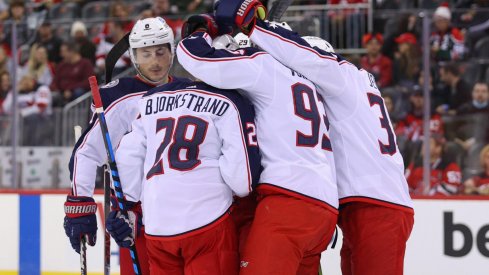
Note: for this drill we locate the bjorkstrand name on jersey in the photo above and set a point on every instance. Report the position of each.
(165, 103)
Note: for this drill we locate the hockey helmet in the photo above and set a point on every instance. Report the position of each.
(150, 32)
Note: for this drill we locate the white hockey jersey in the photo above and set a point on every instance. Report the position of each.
(292, 129)
(368, 163)
(192, 147)
(120, 98)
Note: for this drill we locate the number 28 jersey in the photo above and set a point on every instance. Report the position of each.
(368, 163)
(192, 147)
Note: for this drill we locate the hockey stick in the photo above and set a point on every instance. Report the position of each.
(114, 54)
(106, 215)
(278, 9)
(121, 201)
(83, 243)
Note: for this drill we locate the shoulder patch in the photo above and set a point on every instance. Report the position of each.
(111, 84)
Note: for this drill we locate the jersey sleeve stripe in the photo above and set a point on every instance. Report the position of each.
(216, 58)
(296, 44)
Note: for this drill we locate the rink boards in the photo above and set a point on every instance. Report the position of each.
(450, 237)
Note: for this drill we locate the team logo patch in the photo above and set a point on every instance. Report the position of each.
(243, 264)
(111, 84)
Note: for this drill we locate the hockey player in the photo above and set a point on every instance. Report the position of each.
(376, 214)
(192, 147)
(297, 208)
(152, 50)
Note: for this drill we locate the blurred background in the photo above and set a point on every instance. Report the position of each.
(430, 59)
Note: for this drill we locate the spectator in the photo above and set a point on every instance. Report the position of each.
(447, 42)
(38, 66)
(445, 175)
(407, 24)
(406, 60)
(5, 61)
(191, 6)
(33, 99)
(480, 100)
(116, 33)
(34, 103)
(455, 92)
(3, 10)
(479, 184)
(52, 43)
(471, 128)
(374, 62)
(165, 9)
(71, 74)
(118, 11)
(412, 126)
(17, 15)
(5, 87)
(79, 34)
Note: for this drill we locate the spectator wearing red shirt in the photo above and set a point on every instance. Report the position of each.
(374, 61)
(407, 63)
(71, 74)
(445, 174)
(447, 42)
(480, 184)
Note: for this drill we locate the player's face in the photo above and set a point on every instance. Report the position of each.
(154, 62)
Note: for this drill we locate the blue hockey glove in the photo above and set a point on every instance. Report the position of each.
(80, 220)
(125, 231)
(239, 13)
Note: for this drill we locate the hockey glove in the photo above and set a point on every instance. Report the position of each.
(239, 13)
(80, 220)
(125, 230)
(204, 22)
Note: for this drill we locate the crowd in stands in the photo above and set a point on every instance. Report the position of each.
(72, 38)
(458, 91)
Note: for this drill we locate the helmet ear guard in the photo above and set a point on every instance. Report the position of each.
(150, 32)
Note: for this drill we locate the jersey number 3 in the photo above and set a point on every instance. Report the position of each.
(391, 147)
(177, 134)
(306, 108)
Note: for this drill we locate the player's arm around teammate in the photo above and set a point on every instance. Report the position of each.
(376, 214)
(297, 190)
(152, 62)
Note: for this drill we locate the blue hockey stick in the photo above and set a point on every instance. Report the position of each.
(121, 201)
